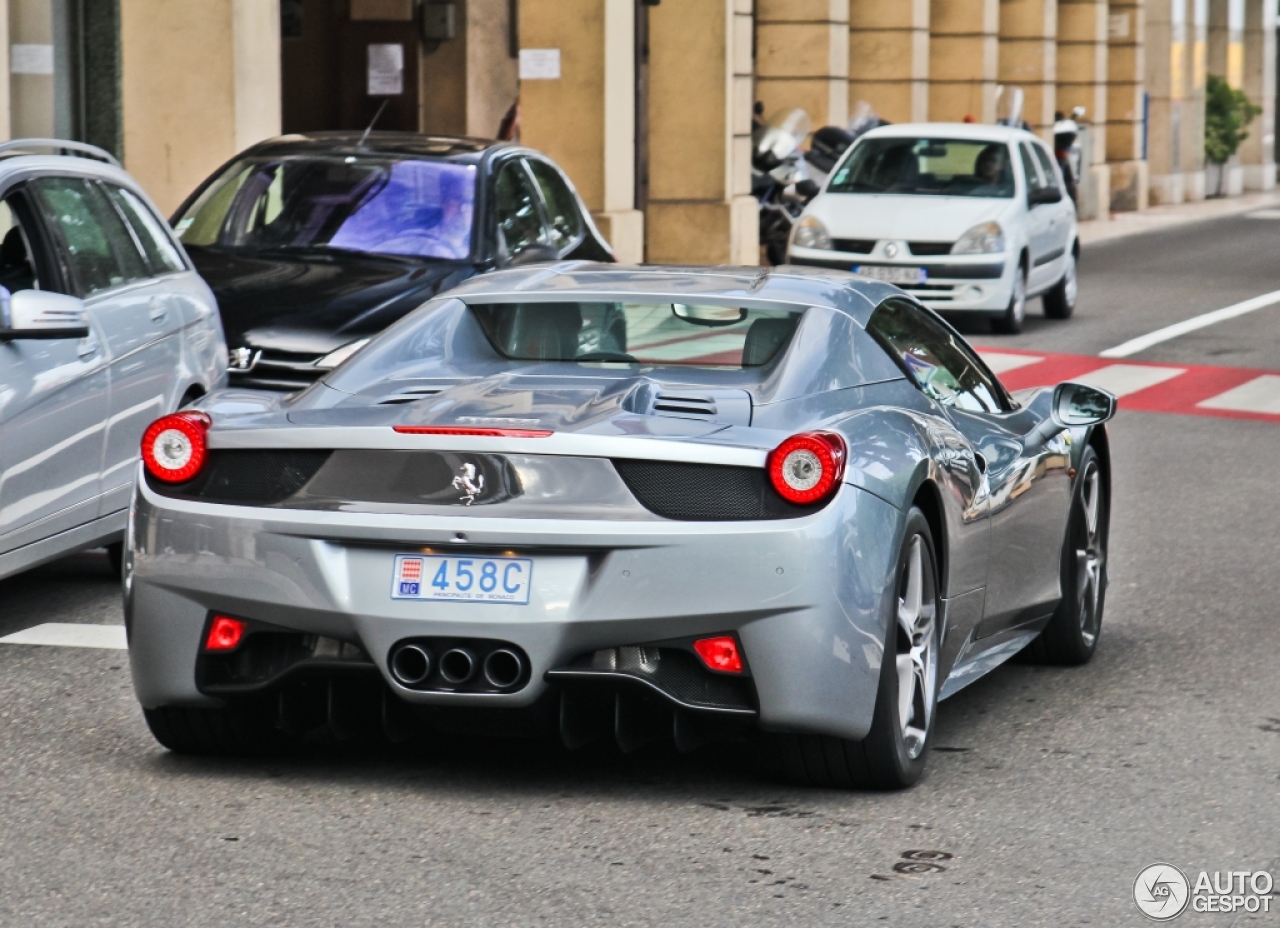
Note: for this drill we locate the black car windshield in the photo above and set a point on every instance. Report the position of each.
(926, 167)
(376, 205)
(651, 334)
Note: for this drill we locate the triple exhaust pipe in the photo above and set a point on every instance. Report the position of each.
(414, 665)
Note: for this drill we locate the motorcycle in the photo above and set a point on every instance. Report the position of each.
(1067, 150)
(780, 180)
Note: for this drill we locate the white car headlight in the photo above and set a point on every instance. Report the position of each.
(811, 233)
(336, 357)
(984, 239)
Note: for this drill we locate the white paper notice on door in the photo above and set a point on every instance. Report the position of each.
(539, 64)
(386, 70)
(31, 59)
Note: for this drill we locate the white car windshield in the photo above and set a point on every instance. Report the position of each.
(926, 167)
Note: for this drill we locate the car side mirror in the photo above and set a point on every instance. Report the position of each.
(534, 254)
(1043, 195)
(39, 314)
(807, 189)
(1074, 405)
(1078, 404)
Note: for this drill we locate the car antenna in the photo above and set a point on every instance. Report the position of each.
(372, 123)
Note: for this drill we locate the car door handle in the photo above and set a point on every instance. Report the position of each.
(87, 347)
(159, 309)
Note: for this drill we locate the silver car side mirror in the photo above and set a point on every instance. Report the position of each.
(1078, 404)
(43, 315)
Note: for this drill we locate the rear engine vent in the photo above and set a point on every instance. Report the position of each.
(732, 407)
(682, 404)
(248, 478)
(930, 248)
(706, 492)
(410, 395)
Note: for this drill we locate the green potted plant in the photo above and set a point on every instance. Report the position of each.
(1227, 112)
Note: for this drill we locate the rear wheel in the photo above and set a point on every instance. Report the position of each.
(892, 755)
(1060, 302)
(1071, 636)
(226, 730)
(1010, 321)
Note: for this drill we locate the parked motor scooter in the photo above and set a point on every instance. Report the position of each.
(779, 178)
(831, 142)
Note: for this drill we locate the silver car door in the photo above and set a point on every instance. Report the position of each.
(53, 401)
(139, 321)
(1060, 213)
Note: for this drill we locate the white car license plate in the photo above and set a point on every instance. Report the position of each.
(892, 275)
(451, 578)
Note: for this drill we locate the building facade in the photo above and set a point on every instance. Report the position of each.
(646, 103)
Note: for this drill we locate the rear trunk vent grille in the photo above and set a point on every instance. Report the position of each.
(408, 396)
(682, 404)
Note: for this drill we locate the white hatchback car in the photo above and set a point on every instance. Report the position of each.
(966, 218)
(104, 326)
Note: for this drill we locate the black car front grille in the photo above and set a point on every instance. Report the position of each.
(930, 248)
(257, 477)
(857, 246)
(706, 492)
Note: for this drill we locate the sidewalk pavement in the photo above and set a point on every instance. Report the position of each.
(1164, 217)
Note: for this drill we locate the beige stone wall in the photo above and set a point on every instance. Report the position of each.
(467, 84)
(802, 58)
(889, 57)
(700, 209)
(963, 59)
(1165, 30)
(1193, 103)
(30, 96)
(1028, 58)
(1126, 70)
(1257, 152)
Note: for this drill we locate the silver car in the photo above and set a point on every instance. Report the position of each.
(789, 502)
(104, 326)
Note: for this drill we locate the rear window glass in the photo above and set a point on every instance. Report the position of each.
(650, 334)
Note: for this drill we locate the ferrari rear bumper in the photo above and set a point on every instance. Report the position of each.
(807, 599)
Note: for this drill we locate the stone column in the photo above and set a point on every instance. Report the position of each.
(1082, 81)
(802, 58)
(1028, 59)
(1197, 24)
(889, 58)
(1257, 152)
(1165, 80)
(585, 119)
(1125, 73)
(963, 59)
(199, 82)
(467, 84)
(1225, 58)
(700, 207)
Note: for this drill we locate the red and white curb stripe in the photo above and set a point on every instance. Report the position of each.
(1190, 389)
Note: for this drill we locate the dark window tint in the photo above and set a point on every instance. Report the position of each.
(518, 220)
(17, 267)
(100, 250)
(941, 365)
(560, 203)
(148, 230)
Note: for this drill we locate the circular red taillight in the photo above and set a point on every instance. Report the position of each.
(806, 468)
(174, 448)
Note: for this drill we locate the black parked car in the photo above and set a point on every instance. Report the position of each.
(315, 243)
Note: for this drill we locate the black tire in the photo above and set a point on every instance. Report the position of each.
(1071, 637)
(882, 760)
(1010, 321)
(1060, 302)
(228, 731)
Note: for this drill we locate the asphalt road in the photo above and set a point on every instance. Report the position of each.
(1049, 788)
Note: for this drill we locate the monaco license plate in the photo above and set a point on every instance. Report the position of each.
(450, 578)
(892, 275)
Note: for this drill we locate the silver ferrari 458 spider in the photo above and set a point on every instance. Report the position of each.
(784, 505)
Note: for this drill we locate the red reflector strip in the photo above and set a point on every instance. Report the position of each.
(225, 634)
(472, 432)
(720, 653)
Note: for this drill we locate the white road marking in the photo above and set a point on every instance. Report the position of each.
(1123, 379)
(999, 362)
(1262, 394)
(1143, 342)
(1263, 214)
(65, 635)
